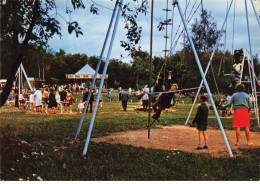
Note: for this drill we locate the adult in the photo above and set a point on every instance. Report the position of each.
(119, 95)
(85, 97)
(77, 88)
(242, 106)
(57, 97)
(145, 101)
(38, 99)
(63, 95)
(52, 102)
(16, 94)
(125, 98)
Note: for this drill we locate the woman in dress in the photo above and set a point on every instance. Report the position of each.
(242, 105)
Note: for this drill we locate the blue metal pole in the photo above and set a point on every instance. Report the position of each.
(257, 18)
(210, 60)
(252, 65)
(102, 81)
(150, 75)
(96, 72)
(204, 80)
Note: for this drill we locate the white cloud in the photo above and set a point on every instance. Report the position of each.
(95, 28)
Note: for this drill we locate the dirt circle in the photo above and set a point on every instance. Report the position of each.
(183, 138)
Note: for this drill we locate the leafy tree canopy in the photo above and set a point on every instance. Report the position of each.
(31, 21)
(204, 32)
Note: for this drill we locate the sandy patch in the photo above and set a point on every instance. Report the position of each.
(182, 138)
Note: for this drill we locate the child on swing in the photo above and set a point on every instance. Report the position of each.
(201, 119)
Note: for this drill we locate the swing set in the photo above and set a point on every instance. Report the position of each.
(116, 12)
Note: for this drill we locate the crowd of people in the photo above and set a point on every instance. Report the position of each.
(50, 97)
(42, 100)
(47, 99)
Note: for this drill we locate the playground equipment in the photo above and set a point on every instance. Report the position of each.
(175, 2)
(253, 81)
(117, 11)
(19, 76)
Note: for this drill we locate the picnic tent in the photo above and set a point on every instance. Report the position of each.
(84, 74)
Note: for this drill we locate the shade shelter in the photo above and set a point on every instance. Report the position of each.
(84, 74)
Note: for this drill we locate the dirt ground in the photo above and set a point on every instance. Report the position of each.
(182, 138)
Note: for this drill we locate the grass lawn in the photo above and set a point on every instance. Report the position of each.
(37, 146)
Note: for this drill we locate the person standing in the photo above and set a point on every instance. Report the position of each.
(201, 119)
(38, 99)
(77, 88)
(125, 98)
(69, 100)
(16, 94)
(52, 102)
(145, 101)
(119, 95)
(100, 102)
(242, 105)
(85, 97)
(57, 97)
(63, 95)
(109, 96)
(45, 99)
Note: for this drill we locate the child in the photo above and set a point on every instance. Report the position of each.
(69, 99)
(81, 106)
(100, 104)
(201, 119)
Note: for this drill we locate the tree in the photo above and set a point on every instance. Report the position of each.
(204, 32)
(23, 22)
(31, 21)
(119, 74)
(141, 68)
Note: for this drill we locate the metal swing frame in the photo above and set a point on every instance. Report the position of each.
(175, 2)
(254, 86)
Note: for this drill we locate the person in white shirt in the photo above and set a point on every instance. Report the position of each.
(38, 99)
(31, 101)
(145, 101)
(57, 97)
(81, 106)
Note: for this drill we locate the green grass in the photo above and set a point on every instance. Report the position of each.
(35, 145)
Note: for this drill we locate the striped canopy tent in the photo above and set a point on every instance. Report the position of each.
(85, 73)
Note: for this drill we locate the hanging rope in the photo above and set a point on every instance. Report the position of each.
(173, 8)
(180, 21)
(172, 48)
(173, 42)
(224, 51)
(233, 27)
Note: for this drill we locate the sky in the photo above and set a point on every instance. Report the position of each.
(94, 27)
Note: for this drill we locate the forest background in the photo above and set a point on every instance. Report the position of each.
(25, 34)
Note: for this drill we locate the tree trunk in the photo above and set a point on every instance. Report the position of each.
(6, 91)
(8, 87)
